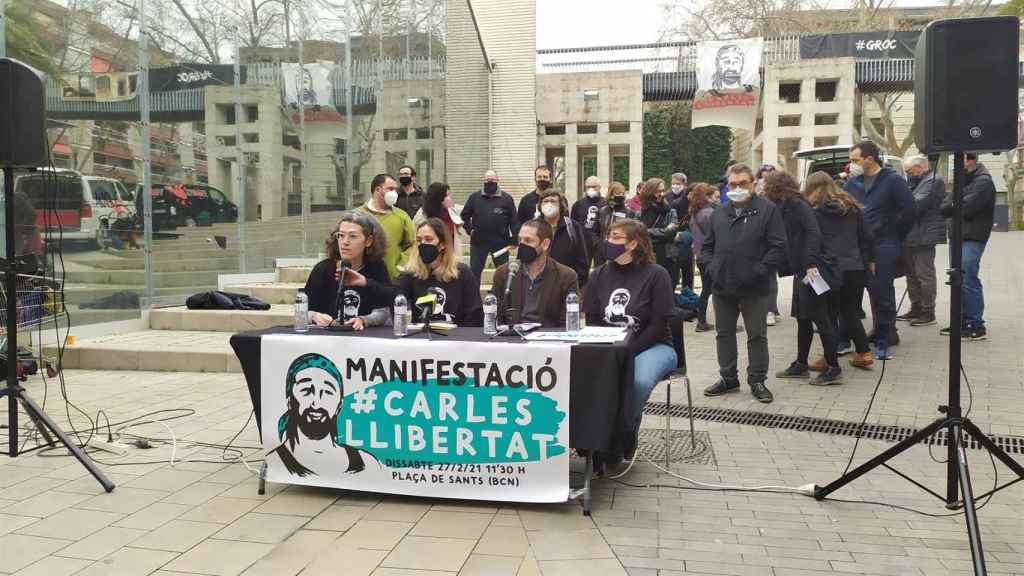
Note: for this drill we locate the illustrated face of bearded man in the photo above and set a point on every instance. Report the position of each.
(619, 300)
(729, 67)
(350, 302)
(315, 403)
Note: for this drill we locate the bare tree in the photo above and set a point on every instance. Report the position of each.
(887, 103)
(1013, 171)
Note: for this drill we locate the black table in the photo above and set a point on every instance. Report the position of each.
(600, 376)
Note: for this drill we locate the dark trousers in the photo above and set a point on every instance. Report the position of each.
(705, 293)
(686, 270)
(672, 267)
(727, 312)
(826, 331)
(846, 311)
(478, 259)
(883, 294)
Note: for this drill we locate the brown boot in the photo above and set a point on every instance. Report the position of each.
(863, 361)
(818, 365)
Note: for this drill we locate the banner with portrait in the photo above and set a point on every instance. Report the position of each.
(471, 420)
(728, 83)
(308, 84)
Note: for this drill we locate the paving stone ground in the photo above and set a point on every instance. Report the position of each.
(199, 517)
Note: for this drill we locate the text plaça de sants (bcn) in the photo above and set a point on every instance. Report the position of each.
(433, 422)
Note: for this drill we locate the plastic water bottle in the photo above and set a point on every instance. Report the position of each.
(401, 318)
(301, 311)
(572, 312)
(490, 315)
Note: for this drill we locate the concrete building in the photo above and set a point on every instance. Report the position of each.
(804, 108)
(589, 123)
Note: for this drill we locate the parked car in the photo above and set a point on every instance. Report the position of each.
(81, 206)
(193, 205)
(833, 160)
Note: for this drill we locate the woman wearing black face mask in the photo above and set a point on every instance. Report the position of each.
(434, 264)
(630, 290)
(615, 210)
(662, 224)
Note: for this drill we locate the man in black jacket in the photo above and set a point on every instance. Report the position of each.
(528, 204)
(745, 246)
(919, 247)
(569, 240)
(587, 211)
(490, 219)
(410, 195)
(979, 206)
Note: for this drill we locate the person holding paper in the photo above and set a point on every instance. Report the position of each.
(435, 267)
(814, 273)
(538, 291)
(845, 234)
(632, 291)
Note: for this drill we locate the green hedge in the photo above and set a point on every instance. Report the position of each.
(670, 145)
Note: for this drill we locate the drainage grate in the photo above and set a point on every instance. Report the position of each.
(884, 432)
(680, 448)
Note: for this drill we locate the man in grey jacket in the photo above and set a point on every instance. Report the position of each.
(919, 247)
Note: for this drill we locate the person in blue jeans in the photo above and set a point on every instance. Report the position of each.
(631, 291)
(979, 205)
(889, 217)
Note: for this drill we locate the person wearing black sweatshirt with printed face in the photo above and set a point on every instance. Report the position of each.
(808, 259)
(569, 245)
(587, 211)
(744, 246)
(630, 290)
(434, 265)
(358, 240)
(490, 219)
(845, 235)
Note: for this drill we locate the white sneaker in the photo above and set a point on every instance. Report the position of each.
(771, 319)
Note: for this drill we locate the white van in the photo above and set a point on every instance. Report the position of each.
(833, 160)
(81, 206)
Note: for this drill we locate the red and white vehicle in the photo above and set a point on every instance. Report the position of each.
(82, 206)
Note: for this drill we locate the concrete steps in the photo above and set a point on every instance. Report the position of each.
(152, 350)
(138, 278)
(181, 318)
(269, 292)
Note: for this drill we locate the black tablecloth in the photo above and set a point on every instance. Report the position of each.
(601, 374)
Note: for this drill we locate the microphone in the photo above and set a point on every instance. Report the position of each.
(339, 299)
(513, 269)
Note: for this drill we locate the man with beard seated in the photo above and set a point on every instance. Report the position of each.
(310, 427)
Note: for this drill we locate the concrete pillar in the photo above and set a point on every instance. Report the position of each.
(571, 162)
(636, 160)
(604, 160)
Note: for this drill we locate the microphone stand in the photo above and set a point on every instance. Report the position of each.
(426, 311)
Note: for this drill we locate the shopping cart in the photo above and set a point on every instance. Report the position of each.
(38, 302)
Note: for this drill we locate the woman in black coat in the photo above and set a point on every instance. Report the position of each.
(845, 236)
(662, 225)
(808, 258)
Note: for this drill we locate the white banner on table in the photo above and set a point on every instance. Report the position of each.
(728, 83)
(472, 420)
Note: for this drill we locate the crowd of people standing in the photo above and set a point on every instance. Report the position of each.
(626, 258)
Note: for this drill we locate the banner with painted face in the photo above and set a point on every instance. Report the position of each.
(470, 420)
(309, 84)
(728, 83)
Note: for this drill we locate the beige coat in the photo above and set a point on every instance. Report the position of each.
(420, 218)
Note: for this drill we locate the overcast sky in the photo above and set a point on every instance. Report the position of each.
(576, 23)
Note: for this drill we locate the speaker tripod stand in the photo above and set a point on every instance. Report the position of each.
(954, 422)
(16, 394)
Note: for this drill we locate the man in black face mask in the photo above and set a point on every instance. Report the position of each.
(541, 285)
(410, 195)
(528, 203)
(490, 218)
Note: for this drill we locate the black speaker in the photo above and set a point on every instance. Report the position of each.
(22, 115)
(965, 85)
